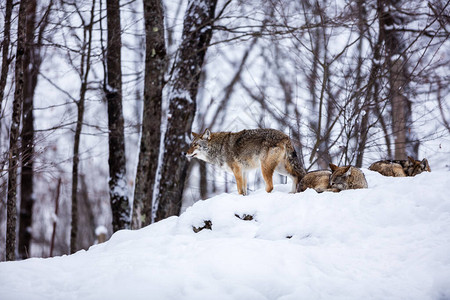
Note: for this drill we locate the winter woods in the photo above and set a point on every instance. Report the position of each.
(98, 100)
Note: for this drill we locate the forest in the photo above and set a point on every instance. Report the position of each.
(98, 100)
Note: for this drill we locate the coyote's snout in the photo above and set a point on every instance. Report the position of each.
(401, 168)
(245, 150)
(336, 180)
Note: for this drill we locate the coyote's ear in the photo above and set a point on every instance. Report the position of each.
(348, 171)
(195, 135)
(206, 135)
(411, 159)
(333, 167)
(425, 164)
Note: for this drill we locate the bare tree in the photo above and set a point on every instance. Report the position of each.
(85, 66)
(118, 190)
(5, 50)
(155, 65)
(27, 135)
(32, 61)
(197, 33)
(52, 241)
(3, 77)
(394, 47)
(14, 147)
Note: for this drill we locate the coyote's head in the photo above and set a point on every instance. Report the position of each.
(339, 177)
(416, 167)
(349, 177)
(199, 145)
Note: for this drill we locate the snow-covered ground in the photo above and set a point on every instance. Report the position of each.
(391, 241)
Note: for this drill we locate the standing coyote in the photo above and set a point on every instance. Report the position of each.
(336, 180)
(245, 150)
(400, 168)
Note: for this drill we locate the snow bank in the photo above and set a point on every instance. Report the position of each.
(391, 241)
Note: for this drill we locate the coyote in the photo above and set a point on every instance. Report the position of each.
(241, 151)
(336, 180)
(400, 168)
(318, 180)
(348, 177)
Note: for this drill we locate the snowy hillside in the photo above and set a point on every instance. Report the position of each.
(391, 241)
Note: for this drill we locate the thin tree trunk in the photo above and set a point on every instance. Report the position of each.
(319, 148)
(377, 59)
(155, 65)
(52, 242)
(118, 190)
(203, 180)
(398, 80)
(364, 130)
(76, 159)
(14, 136)
(399, 106)
(31, 63)
(5, 51)
(86, 217)
(85, 68)
(197, 33)
(317, 47)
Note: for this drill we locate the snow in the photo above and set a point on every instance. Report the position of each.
(110, 89)
(101, 230)
(390, 241)
(182, 93)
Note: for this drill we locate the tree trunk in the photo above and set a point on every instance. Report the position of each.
(377, 87)
(85, 66)
(368, 93)
(118, 191)
(197, 33)
(5, 51)
(31, 64)
(14, 136)
(155, 64)
(399, 104)
(203, 180)
(86, 216)
(52, 241)
(398, 79)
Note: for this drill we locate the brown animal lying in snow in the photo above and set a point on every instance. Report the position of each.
(400, 168)
(336, 180)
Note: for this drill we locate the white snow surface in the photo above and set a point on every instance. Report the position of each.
(390, 241)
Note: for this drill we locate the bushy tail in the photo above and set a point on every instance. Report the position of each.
(293, 160)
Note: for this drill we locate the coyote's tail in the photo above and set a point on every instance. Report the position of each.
(294, 162)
